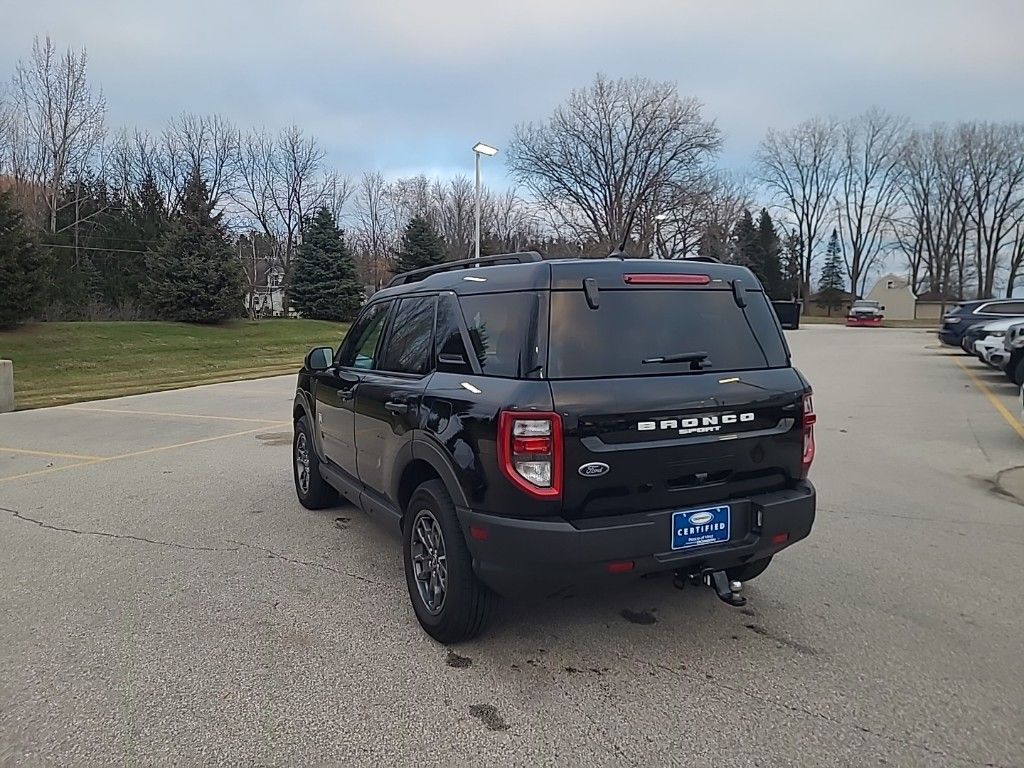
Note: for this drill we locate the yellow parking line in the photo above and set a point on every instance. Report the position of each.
(48, 470)
(50, 454)
(161, 448)
(145, 452)
(1010, 419)
(166, 413)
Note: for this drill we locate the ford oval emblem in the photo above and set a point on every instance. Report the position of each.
(701, 518)
(593, 469)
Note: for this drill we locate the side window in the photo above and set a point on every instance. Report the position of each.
(450, 348)
(359, 349)
(410, 344)
(1005, 308)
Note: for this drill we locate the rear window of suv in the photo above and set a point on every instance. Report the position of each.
(630, 326)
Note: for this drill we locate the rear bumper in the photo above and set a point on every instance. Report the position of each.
(546, 557)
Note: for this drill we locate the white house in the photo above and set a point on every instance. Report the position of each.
(895, 294)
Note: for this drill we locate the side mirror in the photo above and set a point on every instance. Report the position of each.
(319, 359)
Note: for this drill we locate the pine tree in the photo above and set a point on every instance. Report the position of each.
(831, 285)
(421, 247)
(767, 249)
(791, 261)
(23, 267)
(194, 275)
(324, 284)
(744, 241)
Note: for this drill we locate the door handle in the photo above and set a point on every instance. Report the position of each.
(396, 407)
(345, 394)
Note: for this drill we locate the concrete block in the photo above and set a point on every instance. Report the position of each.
(6, 386)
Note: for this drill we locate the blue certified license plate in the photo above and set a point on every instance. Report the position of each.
(700, 527)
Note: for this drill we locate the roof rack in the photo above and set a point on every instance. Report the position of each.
(416, 275)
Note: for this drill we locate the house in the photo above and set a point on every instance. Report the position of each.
(932, 305)
(895, 294)
(267, 296)
(813, 309)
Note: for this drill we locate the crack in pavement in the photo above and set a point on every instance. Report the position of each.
(814, 714)
(106, 534)
(190, 547)
(307, 563)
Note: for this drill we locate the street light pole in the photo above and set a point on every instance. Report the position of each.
(476, 236)
(480, 149)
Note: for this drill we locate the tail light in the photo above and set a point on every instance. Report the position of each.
(809, 420)
(530, 451)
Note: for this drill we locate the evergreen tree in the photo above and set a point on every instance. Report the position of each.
(744, 241)
(831, 285)
(194, 276)
(791, 260)
(767, 249)
(324, 284)
(23, 267)
(421, 247)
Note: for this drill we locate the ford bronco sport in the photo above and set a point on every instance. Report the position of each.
(528, 426)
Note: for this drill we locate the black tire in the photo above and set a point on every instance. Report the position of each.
(1016, 372)
(312, 490)
(748, 571)
(463, 608)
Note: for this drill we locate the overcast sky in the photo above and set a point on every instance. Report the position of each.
(406, 86)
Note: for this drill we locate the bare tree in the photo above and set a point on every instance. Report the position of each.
(63, 120)
(611, 149)
(510, 221)
(801, 169)
(278, 181)
(682, 220)
(208, 144)
(932, 228)
(868, 190)
(376, 231)
(993, 192)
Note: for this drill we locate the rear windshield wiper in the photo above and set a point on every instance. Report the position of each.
(697, 360)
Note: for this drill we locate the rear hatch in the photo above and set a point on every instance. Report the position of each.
(671, 434)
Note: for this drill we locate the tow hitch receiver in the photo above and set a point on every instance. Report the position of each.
(727, 591)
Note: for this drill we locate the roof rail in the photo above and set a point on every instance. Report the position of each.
(416, 275)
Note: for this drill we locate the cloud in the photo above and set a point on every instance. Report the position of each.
(403, 85)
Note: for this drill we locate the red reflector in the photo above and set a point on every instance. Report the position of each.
(780, 538)
(531, 445)
(623, 566)
(478, 533)
(666, 279)
(810, 419)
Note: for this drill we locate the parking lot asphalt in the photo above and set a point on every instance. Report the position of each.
(166, 600)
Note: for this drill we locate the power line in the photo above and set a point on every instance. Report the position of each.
(92, 248)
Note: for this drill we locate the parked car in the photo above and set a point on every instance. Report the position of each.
(989, 345)
(531, 427)
(865, 313)
(1013, 346)
(967, 314)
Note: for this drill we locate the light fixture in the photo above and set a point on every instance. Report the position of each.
(480, 149)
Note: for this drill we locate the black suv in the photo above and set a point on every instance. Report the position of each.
(528, 426)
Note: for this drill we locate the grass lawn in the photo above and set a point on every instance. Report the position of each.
(57, 363)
